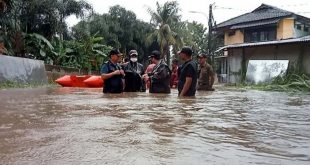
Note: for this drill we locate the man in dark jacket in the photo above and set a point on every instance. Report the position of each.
(112, 74)
(134, 72)
(160, 76)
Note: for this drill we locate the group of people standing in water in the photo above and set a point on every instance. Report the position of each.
(158, 77)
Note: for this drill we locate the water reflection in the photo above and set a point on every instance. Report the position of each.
(76, 125)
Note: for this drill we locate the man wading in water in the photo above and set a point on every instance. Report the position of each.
(205, 74)
(187, 73)
(134, 71)
(112, 74)
(160, 76)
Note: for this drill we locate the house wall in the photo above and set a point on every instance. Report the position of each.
(301, 32)
(234, 65)
(306, 58)
(285, 29)
(289, 52)
(237, 38)
(280, 52)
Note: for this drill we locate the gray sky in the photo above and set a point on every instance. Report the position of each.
(224, 9)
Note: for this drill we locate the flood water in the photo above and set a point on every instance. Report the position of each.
(84, 126)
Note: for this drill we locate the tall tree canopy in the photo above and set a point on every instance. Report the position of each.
(165, 19)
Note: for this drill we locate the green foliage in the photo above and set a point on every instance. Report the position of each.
(86, 53)
(166, 18)
(194, 35)
(44, 17)
(119, 29)
(36, 29)
(289, 83)
(37, 45)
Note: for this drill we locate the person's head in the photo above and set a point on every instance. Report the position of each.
(186, 53)
(115, 55)
(175, 62)
(133, 54)
(202, 58)
(154, 57)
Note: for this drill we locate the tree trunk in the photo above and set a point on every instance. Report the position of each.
(167, 54)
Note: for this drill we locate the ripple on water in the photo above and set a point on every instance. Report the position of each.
(84, 126)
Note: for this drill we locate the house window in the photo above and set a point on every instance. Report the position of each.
(259, 35)
(231, 33)
(298, 27)
(306, 29)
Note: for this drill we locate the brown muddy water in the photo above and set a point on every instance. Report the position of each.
(84, 126)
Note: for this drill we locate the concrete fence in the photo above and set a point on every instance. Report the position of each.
(22, 70)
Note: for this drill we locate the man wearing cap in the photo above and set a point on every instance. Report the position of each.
(134, 72)
(205, 74)
(112, 74)
(187, 73)
(160, 76)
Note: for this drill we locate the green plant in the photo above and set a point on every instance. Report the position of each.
(37, 45)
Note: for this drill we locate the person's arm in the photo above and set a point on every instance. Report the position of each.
(212, 74)
(187, 85)
(162, 72)
(105, 76)
(189, 73)
(104, 72)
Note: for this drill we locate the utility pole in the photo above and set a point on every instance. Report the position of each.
(210, 33)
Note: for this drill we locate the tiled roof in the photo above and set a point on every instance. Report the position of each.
(264, 12)
(255, 24)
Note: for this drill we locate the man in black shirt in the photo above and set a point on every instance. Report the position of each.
(187, 73)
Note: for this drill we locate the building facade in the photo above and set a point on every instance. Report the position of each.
(267, 33)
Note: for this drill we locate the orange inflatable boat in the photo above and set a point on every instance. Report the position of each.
(86, 81)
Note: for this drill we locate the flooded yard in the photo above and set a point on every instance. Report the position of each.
(84, 126)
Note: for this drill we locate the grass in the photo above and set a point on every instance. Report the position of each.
(288, 83)
(13, 84)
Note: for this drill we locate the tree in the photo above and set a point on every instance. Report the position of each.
(119, 28)
(71, 7)
(193, 35)
(46, 17)
(164, 19)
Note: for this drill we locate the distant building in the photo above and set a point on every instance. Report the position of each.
(267, 33)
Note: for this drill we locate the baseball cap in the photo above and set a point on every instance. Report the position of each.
(133, 52)
(186, 50)
(155, 54)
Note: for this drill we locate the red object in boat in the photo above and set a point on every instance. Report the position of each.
(94, 81)
(72, 81)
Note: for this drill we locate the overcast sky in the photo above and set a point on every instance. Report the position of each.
(224, 9)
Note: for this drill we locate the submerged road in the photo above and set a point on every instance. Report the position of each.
(84, 126)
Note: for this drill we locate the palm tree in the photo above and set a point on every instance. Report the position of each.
(165, 19)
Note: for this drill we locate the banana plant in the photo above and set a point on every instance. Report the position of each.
(37, 45)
